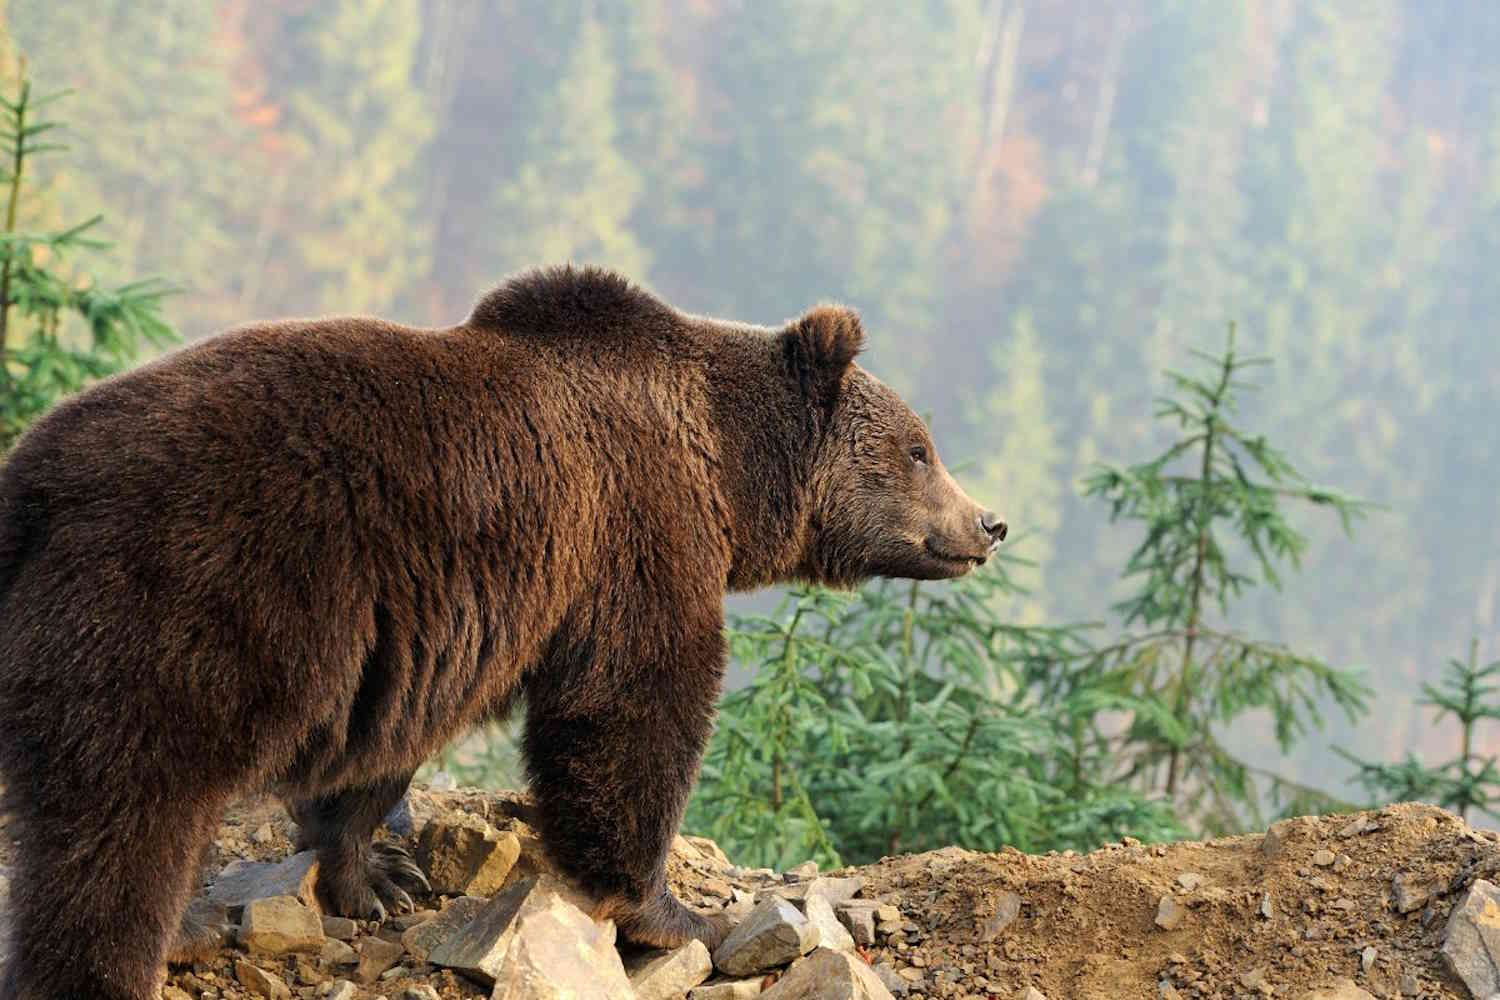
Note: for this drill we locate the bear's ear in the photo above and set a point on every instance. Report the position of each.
(820, 347)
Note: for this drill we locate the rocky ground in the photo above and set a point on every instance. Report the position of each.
(1394, 903)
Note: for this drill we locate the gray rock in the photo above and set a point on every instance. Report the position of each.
(400, 820)
(421, 939)
(1190, 881)
(739, 989)
(342, 990)
(1169, 913)
(376, 955)
(243, 881)
(420, 991)
(1032, 993)
(485, 945)
(1007, 909)
(831, 933)
(828, 975)
(1339, 989)
(667, 975)
(260, 982)
(464, 859)
(280, 925)
(859, 916)
(772, 935)
(1471, 941)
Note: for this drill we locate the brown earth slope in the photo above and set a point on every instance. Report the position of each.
(1363, 897)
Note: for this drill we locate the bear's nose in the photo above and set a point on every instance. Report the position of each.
(992, 524)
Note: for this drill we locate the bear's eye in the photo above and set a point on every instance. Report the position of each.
(918, 454)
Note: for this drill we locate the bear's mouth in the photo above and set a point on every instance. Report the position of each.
(954, 558)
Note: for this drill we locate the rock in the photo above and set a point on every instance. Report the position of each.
(1253, 978)
(1341, 989)
(1169, 913)
(835, 890)
(243, 881)
(890, 980)
(534, 860)
(885, 913)
(1166, 991)
(530, 909)
(1471, 940)
(342, 990)
(376, 955)
(279, 925)
(667, 975)
(806, 870)
(175, 993)
(340, 927)
(773, 934)
(859, 918)
(1410, 987)
(466, 860)
(709, 849)
(406, 921)
(831, 933)
(420, 991)
(338, 952)
(739, 989)
(558, 953)
(1266, 909)
(1280, 834)
(828, 975)
(260, 982)
(1323, 857)
(1190, 881)
(1367, 959)
(1007, 909)
(263, 834)
(1412, 890)
(421, 939)
(1363, 824)
(1032, 993)
(400, 820)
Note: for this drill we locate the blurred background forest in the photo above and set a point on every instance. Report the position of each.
(1038, 205)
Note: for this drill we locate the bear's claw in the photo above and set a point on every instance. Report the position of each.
(376, 884)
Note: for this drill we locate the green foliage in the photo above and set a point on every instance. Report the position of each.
(1470, 780)
(908, 717)
(43, 354)
(1210, 507)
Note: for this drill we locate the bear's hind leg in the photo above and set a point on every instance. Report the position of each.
(99, 890)
(356, 877)
(612, 771)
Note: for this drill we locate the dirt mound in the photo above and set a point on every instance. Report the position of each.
(1363, 897)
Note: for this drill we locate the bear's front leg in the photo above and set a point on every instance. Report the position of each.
(613, 744)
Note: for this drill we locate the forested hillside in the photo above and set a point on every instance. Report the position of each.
(1037, 205)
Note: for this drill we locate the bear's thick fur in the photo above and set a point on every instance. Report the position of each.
(301, 556)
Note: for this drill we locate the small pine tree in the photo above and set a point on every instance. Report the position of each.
(905, 718)
(1217, 475)
(1470, 780)
(42, 356)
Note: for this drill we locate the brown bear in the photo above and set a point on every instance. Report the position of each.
(301, 556)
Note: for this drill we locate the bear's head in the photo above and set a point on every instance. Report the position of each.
(881, 503)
